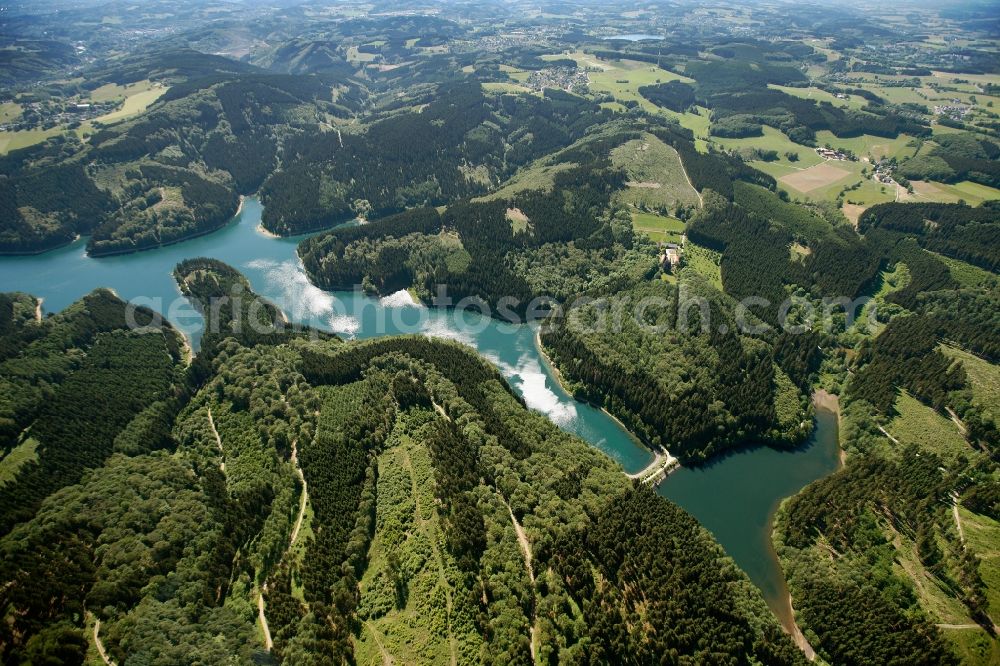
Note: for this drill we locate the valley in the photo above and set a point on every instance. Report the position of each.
(563, 333)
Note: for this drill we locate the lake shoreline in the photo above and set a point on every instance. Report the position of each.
(183, 239)
(829, 402)
(823, 399)
(264, 232)
(33, 253)
(64, 276)
(565, 387)
(199, 234)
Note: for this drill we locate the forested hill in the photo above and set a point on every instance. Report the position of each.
(389, 496)
(177, 171)
(56, 371)
(172, 173)
(879, 553)
(460, 144)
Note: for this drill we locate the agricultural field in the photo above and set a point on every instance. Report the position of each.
(622, 79)
(138, 97)
(354, 55)
(22, 139)
(967, 191)
(830, 179)
(502, 87)
(818, 177)
(867, 145)
(9, 111)
(814, 93)
(773, 139)
(113, 91)
(658, 227)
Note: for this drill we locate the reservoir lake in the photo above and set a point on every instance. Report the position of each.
(734, 496)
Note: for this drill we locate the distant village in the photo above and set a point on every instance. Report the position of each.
(45, 115)
(955, 110)
(882, 171)
(569, 79)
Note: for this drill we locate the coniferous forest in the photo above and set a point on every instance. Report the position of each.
(741, 255)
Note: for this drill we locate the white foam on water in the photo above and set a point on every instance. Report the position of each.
(290, 288)
(437, 327)
(529, 379)
(399, 299)
(345, 324)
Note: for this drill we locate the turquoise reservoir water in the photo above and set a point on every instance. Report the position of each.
(62, 276)
(734, 497)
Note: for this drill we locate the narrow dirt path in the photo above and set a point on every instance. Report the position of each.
(522, 539)
(99, 645)
(957, 421)
(387, 659)
(701, 201)
(303, 498)
(440, 410)
(958, 522)
(38, 309)
(886, 433)
(268, 643)
(218, 440)
(958, 518)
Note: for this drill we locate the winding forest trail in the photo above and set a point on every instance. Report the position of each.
(886, 433)
(958, 518)
(440, 410)
(387, 659)
(268, 643)
(701, 201)
(522, 539)
(218, 440)
(303, 498)
(957, 421)
(99, 645)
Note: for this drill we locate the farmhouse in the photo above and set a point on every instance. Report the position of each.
(670, 253)
(831, 154)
